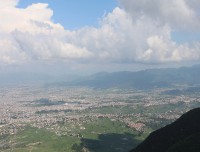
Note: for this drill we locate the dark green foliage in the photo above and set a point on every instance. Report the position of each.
(112, 142)
(187, 91)
(51, 111)
(181, 136)
(189, 144)
(44, 102)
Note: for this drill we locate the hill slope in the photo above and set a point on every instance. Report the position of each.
(181, 136)
(146, 79)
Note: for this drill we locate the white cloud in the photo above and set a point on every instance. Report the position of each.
(161, 49)
(14, 18)
(167, 17)
(45, 46)
(121, 38)
(29, 34)
(9, 3)
(176, 13)
(140, 31)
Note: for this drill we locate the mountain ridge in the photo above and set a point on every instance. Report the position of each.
(145, 79)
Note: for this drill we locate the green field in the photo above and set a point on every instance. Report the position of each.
(98, 135)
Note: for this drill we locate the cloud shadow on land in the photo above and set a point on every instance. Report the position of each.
(108, 143)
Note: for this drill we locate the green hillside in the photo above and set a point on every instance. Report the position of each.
(181, 136)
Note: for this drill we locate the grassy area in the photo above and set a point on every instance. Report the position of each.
(104, 135)
(98, 135)
(113, 110)
(34, 140)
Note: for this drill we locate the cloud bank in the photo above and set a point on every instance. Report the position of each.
(135, 32)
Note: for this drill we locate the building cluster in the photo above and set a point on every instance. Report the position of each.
(21, 105)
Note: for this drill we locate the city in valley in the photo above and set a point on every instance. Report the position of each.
(33, 118)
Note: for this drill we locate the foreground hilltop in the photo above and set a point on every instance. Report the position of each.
(181, 136)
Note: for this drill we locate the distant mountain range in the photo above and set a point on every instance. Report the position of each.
(181, 136)
(146, 79)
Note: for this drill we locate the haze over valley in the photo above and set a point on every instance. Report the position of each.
(99, 76)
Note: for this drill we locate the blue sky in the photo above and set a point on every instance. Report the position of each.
(74, 14)
(98, 35)
(185, 36)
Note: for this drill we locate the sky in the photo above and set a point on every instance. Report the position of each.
(76, 36)
(75, 14)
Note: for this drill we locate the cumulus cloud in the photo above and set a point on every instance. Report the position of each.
(137, 31)
(167, 17)
(178, 13)
(29, 34)
(123, 37)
